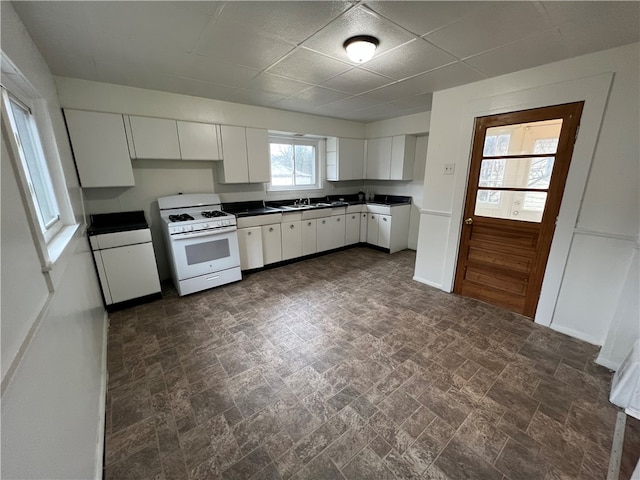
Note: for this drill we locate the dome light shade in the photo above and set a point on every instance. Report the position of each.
(361, 48)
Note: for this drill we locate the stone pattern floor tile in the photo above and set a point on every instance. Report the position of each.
(343, 367)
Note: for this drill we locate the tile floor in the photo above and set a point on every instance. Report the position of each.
(343, 367)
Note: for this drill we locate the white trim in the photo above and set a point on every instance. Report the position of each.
(616, 447)
(15, 363)
(104, 377)
(616, 236)
(427, 282)
(575, 334)
(605, 362)
(436, 213)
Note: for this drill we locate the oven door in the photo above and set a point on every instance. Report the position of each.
(202, 253)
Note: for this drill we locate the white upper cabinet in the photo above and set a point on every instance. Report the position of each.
(258, 156)
(245, 153)
(391, 158)
(345, 159)
(403, 154)
(378, 158)
(154, 138)
(100, 148)
(199, 141)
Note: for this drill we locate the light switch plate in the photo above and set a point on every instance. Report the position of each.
(449, 168)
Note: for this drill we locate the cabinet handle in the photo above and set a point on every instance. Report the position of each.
(353, 216)
(324, 221)
(338, 218)
(248, 233)
(309, 224)
(271, 229)
(291, 226)
(384, 218)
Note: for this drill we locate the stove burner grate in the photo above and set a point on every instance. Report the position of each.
(213, 213)
(182, 217)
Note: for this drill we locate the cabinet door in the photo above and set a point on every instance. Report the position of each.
(291, 240)
(351, 160)
(338, 230)
(384, 231)
(271, 243)
(372, 228)
(363, 226)
(234, 154)
(309, 239)
(131, 271)
(258, 155)
(324, 234)
(198, 141)
(250, 246)
(378, 158)
(100, 149)
(155, 138)
(403, 151)
(352, 228)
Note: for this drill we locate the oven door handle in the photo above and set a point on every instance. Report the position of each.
(203, 233)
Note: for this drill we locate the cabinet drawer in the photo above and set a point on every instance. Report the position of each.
(119, 239)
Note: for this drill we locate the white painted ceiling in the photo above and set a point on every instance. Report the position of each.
(288, 55)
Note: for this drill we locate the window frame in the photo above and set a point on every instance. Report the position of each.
(294, 140)
(52, 227)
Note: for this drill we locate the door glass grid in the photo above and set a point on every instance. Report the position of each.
(514, 185)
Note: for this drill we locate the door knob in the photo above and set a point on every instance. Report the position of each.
(468, 221)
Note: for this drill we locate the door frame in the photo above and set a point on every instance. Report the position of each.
(594, 92)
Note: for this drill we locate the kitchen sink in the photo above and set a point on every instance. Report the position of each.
(295, 207)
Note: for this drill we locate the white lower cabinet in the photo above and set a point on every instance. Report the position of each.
(291, 239)
(271, 243)
(379, 230)
(338, 231)
(352, 227)
(130, 272)
(364, 220)
(250, 245)
(324, 234)
(309, 236)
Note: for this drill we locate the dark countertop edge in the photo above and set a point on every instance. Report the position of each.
(92, 231)
(272, 210)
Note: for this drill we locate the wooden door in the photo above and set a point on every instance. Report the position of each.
(519, 166)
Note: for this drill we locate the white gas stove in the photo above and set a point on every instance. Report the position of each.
(202, 241)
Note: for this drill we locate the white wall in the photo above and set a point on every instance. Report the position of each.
(53, 377)
(598, 224)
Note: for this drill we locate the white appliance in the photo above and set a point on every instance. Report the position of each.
(625, 387)
(202, 242)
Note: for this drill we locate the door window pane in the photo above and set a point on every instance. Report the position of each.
(516, 172)
(522, 138)
(511, 205)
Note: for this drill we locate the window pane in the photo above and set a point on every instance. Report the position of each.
(523, 138)
(515, 205)
(36, 166)
(516, 172)
(305, 164)
(282, 168)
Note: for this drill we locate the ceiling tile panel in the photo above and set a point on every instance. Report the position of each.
(203, 68)
(424, 17)
(255, 97)
(290, 21)
(357, 21)
(265, 82)
(356, 81)
(417, 56)
(531, 51)
(308, 66)
(311, 98)
(445, 77)
(490, 28)
(231, 43)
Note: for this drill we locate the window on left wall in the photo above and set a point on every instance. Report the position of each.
(34, 165)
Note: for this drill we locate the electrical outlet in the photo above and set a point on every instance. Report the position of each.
(449, 168)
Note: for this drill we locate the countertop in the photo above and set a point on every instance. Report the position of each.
(102, 223)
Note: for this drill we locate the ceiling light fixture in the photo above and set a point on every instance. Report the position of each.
(361, 48)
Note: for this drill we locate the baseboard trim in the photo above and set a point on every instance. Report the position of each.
(427, 282)
(576, 334)
(102, 407)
